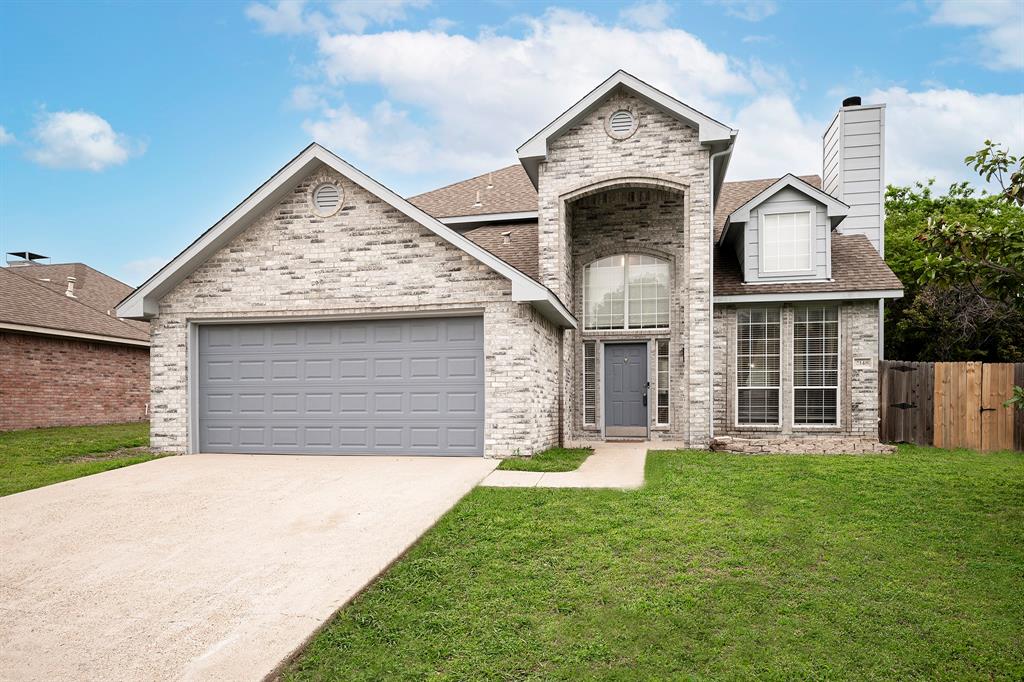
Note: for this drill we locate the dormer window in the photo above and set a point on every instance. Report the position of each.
(628, 291)
(787, 243)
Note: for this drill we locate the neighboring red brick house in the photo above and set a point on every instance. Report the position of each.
(65, 358)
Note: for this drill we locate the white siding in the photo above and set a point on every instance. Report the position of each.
(853, 169)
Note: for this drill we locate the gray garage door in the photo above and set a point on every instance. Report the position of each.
(383, 387)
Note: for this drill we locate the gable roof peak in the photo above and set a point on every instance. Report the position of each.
(709, 131)
(143, 303)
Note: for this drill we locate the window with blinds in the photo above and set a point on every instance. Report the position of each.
(816, 365)
(589, 383)
(758, 353)
(662, 383)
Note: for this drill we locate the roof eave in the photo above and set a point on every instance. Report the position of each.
(143, 303)
(872, 294)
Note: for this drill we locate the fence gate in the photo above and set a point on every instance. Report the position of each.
(950, 404)
(996, 420)
(905, 402)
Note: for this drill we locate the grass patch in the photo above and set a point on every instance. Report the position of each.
(554, 459)
(721, 567)
(38, 457)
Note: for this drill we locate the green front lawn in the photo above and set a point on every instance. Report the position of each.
(38, 457)
(721, 567)
(555, 459)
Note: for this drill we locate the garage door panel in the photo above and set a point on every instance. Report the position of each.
(387, 387)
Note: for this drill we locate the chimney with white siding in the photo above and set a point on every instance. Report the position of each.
(853, 167)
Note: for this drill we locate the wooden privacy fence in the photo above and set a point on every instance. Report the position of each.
(950, 404)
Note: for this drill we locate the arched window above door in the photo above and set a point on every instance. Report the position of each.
(626, 291)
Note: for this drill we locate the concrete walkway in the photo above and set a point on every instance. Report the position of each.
(613, 465)
(204, 567)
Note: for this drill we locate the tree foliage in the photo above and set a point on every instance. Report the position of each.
(960, 256)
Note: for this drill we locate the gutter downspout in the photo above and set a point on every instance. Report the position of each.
(711, 291)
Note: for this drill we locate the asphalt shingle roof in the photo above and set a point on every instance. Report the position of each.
(856, 266)
(507, 190)
(27, 300)
(516, 244)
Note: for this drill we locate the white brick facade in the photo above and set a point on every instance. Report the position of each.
(665, 154)
(368, 259)
(598, 195)
(858, 377)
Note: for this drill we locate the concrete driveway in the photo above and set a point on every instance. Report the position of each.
(212, 567)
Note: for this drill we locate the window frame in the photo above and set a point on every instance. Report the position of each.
(658, 388)
(625, 301)
(777, 424)
(839, 372)
(762, 270)
(593, 372)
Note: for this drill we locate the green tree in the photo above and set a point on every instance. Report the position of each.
(960, 256)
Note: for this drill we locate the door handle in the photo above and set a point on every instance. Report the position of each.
(645, 400)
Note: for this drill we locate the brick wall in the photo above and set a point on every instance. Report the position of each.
(366, 259)
(665, 151)
(632, 220)
(47, 381)
(858, 377)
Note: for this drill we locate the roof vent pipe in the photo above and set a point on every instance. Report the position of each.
(71, 287)
(851, 101)
(506, 237)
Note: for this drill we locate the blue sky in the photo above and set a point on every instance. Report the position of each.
(128, 129)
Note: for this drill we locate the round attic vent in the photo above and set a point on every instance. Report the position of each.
(621, 124)
(326, 199)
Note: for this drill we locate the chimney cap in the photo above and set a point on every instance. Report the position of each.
(852, 101)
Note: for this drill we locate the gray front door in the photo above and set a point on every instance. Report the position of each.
(625, 389)
(383, 387)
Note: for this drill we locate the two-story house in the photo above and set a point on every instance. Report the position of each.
(611, 284)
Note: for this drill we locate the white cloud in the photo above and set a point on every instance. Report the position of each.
(775, 139)
(648, 15)
(929, 133)
(291, 17)
(305, 97)
(749, 10)
(498, 90)
(80, 139)
(1000, 42)
(5, 137)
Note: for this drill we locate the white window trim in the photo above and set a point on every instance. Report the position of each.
(625, 307)
(768, 426)
(657, 381)
(839, 375)
(811, 213)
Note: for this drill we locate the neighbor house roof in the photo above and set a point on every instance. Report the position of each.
(856, 268)
(34, 307)
(93, 288)
(504, 191)
(144, 301)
